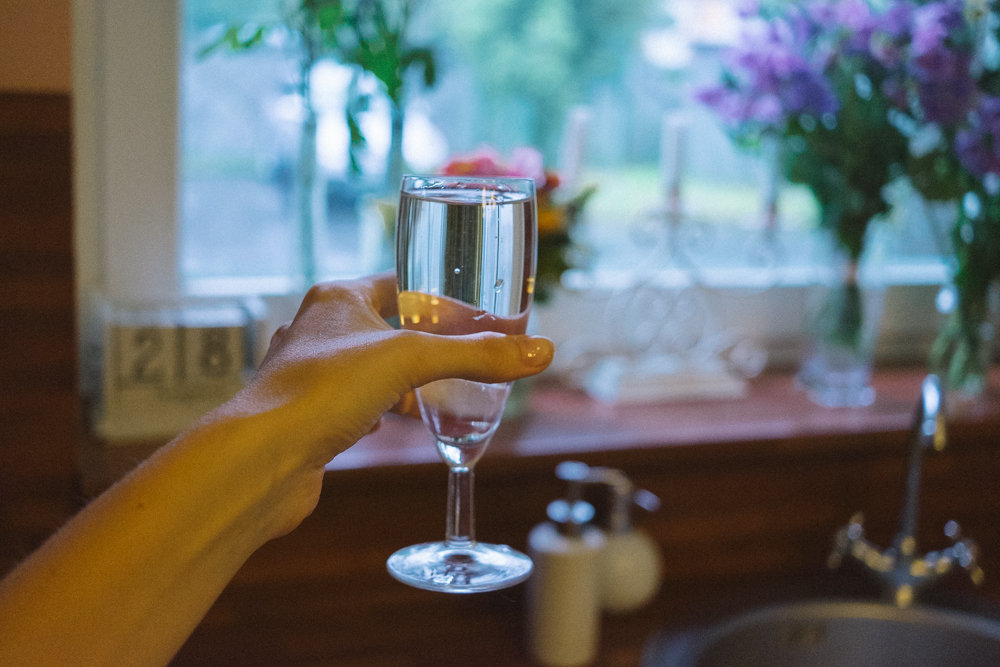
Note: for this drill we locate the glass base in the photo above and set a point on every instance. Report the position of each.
(836, 378)
(459, 568)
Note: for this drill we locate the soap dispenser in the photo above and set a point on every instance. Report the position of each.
(564, 593)
(631, 566)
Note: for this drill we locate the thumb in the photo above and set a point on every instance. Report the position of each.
(481, 357)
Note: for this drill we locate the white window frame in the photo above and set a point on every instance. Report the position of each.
(125, 124)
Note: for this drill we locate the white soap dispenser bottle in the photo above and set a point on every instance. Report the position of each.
(631, 562)
(564, 593)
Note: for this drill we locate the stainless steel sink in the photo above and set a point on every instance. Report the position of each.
(834, 633)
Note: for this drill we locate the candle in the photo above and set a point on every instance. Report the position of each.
(673, 140)
(574, 146)
(771, 148)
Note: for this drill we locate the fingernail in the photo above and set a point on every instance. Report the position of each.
(536, 351)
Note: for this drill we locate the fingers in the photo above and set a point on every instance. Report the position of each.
(407, 406)
(279, 334)
(342, 323)
(443, 315)
(383, 293)
(376, 292)
(493, 359)
(276, 340)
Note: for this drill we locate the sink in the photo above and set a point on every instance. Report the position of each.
(834, 633)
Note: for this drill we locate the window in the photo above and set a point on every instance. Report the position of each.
(185, 161)
(628, 69)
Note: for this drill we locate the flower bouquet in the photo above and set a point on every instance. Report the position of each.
(558, 214)
(814, 77)
(948, 102)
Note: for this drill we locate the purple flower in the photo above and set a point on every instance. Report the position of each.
(769, 80)
(946, 103)
(976, 144)
(934, 58)
(854, 15)
(891, 34)
(748, 8)
(933, 23)
(897, 18)
(857, 21)
(940, 62)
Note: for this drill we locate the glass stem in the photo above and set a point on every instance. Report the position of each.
(461, 529)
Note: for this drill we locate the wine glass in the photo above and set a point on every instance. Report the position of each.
(465, 263)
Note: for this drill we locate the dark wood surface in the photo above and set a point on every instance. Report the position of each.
(39, 398)
(752, 490)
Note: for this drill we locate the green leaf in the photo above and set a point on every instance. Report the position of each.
(330, 15)
(233, 40)
(425, 58)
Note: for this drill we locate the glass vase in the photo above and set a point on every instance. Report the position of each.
(962, 351)
(841, 327)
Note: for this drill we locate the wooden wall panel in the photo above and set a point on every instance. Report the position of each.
(39, 404)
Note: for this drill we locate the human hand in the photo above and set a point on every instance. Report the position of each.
(333, 371)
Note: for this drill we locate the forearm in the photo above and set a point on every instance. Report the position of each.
(128, 579)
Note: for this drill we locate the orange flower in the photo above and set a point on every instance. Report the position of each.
(551, 220)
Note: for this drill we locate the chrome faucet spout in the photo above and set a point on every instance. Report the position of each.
(928, 433)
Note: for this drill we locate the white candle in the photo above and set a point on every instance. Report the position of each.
(574, 146)
(771, 152)
(673, 144)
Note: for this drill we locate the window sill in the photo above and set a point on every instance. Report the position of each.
(563, 423)
(773, 418)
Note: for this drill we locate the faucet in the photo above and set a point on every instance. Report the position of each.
(903, 571)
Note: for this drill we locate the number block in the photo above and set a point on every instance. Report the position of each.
(163, 367)
(139, 362)
(211, 353)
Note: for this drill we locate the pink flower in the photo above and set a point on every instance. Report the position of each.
(528, 162)
(485, 161)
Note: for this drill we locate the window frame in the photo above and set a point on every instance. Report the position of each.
(126, 133)
(125, 115)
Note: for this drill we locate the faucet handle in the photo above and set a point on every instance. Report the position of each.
(855, 528)
(953, 531)
(846, 537)
(965, 551)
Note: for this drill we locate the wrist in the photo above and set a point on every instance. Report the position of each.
(262, 474)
